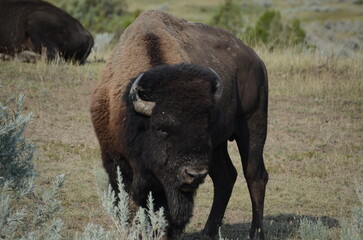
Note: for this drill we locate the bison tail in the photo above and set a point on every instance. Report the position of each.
(89, 45)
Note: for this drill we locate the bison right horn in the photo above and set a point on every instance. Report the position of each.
(140, 106)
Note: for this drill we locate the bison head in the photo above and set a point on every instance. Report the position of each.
(171, 109)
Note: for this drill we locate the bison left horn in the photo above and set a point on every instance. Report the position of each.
(140, 106)
(219, 85)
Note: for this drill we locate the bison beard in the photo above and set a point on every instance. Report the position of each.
(165, 189)
(181, 210)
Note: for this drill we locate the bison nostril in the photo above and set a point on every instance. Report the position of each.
(193, 175)
(196, 174)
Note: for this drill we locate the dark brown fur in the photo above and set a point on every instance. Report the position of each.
(153, 49)
(188, 126)
(36, 25)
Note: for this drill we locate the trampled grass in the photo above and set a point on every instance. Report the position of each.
(313, 152)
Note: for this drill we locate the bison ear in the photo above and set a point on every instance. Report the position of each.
(217, 82)
(140, 106)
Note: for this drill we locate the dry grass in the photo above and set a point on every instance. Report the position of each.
(313, 152)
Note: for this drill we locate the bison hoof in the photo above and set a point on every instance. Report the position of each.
(256, 234)
(208, 233)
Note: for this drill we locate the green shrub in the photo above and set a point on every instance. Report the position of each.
(229, 16)
(297, 34)
(100, 16)
(263, 25)
(268, 29)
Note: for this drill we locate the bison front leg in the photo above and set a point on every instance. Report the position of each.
(250, 140)
(111, 161)
(223, 175)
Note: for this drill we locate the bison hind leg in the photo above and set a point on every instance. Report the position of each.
(250, 140)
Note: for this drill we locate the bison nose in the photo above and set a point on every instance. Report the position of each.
(194, 175)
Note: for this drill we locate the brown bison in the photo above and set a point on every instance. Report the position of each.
(171, 96)
(36, 25)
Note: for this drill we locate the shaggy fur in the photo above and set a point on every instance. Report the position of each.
(188, 126)
(36, 25)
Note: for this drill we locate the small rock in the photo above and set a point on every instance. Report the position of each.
(27, 56)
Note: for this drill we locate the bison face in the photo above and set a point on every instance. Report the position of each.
(179, 149)
(171, 110)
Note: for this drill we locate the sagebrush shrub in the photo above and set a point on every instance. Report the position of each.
(311, 229)
(16, 153)
(353, 229)
(147, 223)
(26, 212)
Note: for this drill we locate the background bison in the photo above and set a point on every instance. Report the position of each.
(164, 116)
(36, 25)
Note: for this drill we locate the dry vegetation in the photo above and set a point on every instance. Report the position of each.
(313, 154)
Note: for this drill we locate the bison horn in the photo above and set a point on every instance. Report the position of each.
(140, 106)
(219, 85)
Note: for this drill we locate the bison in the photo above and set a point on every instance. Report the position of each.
(170, 97)
(36, 25)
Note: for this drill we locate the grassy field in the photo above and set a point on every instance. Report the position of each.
(313, 152)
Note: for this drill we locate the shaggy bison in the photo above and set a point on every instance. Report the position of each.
(36, 25)
(170, 97)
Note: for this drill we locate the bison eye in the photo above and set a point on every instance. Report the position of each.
(161, 132)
